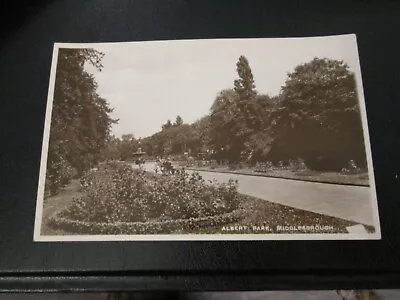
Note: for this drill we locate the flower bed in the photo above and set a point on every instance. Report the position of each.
(139, 201)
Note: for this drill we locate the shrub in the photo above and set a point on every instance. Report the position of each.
(297, 165)
(87, 180)
(58, 174)
(351, 168)
(281, 165)
(345, 171)
(264, 167)
(128, 195)
(183, 196)
(214, 164)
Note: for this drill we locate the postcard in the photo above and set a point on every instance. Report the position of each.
(217, 139)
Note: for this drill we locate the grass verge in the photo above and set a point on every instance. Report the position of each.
(57, 203)
(361, 179)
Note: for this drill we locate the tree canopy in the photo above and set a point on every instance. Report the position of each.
(178, 121)
(81, 119)
(317, 116)
(167, 125)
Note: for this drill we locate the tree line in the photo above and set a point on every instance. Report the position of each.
(315, 117)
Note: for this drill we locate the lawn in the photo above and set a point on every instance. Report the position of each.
(360, 179)
(57, 203)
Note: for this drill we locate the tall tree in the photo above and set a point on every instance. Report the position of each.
(178, 121)
(244, 85)
(81, 119)
(167, 125)
(247, 105)
(235, 114)
(318, 118)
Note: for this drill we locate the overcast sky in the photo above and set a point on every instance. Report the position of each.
(148, 83)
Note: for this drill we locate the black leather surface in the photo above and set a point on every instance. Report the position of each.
(24, 77)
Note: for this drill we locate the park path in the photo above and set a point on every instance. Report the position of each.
(351, 203)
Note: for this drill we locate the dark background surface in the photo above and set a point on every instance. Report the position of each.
(25, 59)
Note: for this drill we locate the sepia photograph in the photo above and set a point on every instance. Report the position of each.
(217, 139)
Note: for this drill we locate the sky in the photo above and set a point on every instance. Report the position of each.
(148, 83)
